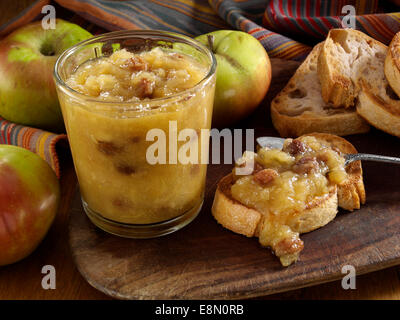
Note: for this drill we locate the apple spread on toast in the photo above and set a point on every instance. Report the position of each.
(284, 180)
(288, 192)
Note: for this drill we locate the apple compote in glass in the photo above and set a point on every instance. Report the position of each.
(126, 97)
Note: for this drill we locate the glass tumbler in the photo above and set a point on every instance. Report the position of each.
(125, 191)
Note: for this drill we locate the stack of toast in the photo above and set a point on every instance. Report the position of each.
(348, 82)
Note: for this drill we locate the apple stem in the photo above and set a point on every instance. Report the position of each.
(96, 52)
(210, 39)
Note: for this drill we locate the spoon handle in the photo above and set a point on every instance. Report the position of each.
(370, 157)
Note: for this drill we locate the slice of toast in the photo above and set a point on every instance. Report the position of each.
(241, 219)
(246, 221)
(343, 57)
(392, 64)
(380, 110)
(377, 102)
(299, 108)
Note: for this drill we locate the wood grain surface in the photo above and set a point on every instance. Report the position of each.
(206, 261)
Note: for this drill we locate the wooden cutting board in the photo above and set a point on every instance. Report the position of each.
(206, 261)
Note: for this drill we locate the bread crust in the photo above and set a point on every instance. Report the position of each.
(231, 214)
(341, 124)
(379, 113)
(392, 64)
(318, 116)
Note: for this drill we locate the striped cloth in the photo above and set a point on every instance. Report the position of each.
(277, 23)
(316, 18)
(286, 28)
(247, 16)
(41, 142)
(189, 17)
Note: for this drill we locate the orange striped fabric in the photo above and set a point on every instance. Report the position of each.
(41, 142)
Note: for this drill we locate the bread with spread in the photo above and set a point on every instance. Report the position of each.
(290, 191)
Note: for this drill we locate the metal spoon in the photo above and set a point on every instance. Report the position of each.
(277, 143)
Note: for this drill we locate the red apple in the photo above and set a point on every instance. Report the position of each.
(29, 198)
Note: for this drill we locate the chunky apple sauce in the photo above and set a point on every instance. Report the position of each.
(127, 76)
(284, 183)
(125, 96)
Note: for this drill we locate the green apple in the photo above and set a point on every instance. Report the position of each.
(29, 199)
(243, 74)
(27, 57)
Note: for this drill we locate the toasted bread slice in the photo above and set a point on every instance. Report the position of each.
(392, 64)
(383, 114)
(241, 219)
(247, 221)
(344, 56)
(299, 107)
(377, 102)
